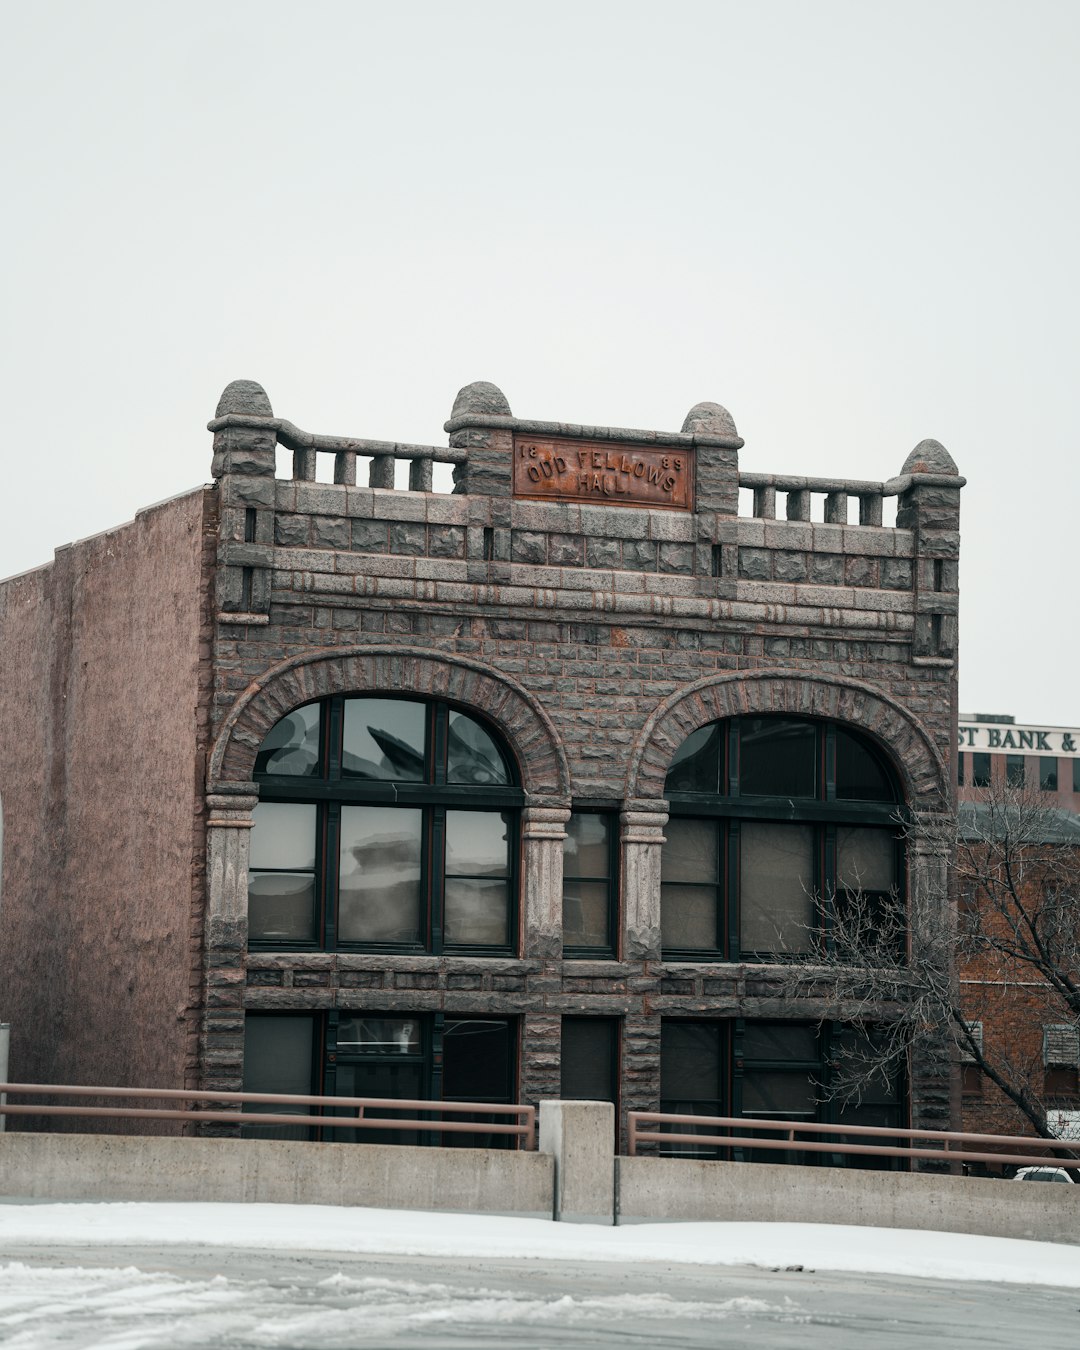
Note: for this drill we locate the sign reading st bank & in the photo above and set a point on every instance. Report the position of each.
(1005, 738)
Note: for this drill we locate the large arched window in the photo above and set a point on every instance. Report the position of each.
(384, 824)
(776, 823)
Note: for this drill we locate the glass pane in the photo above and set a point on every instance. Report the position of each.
(695, 766)
(688, 918)
(475, 912)
(588, 1059)
(379, 880)
(777, 758)
(865, 859)
(401, 1078)
(283, 835)
(292, 745)
(585, 914)
(690, 1060)
(780, 1042)
(776, 888)
(476, 1061)
(690, 851)
(768, 1092)
(1048, 774)
(472, 755)
(379, 1035)
(587, 846)
(384, 739)
(980, 770)
(281, 907)
(278, 1058)
(860, 773)
(477, 843)
(1014, 770)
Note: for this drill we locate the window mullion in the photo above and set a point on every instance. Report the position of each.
(334, 710)
(729, 842)
(329, 873)
(432, 883)
(438, 733)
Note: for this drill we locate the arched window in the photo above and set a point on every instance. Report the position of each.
(775, 823)
(384, 824)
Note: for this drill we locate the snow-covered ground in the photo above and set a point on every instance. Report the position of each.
(888, 1251)
(291, 1277)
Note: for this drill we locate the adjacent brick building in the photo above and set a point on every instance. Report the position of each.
(463, 724)
(1026, 778)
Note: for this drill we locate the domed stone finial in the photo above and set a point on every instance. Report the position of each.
(481, 397)
(246, 397)
(930, 457)
(710, 420)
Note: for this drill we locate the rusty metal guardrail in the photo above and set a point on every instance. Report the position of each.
(790, 1129)
(524, 1128)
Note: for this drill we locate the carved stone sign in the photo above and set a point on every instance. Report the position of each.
(603, 473)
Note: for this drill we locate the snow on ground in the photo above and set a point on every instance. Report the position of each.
(886, 1251)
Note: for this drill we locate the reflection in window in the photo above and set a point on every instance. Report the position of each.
(1048, 773)
(980, 769)
(410, 843)
(588, 882)
(291, 746)
(804, 820)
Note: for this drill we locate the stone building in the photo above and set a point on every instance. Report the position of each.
(463, 725)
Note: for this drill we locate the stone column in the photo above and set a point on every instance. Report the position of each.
(245, 450)
(228, 831)
(543, 829)
(641, 839)
(935, 1102)
(929, 505)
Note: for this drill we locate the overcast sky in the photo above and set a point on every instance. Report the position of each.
(853, 224)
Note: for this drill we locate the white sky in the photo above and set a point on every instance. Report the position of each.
(854, 224)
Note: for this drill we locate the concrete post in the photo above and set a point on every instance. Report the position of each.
(580, 1136)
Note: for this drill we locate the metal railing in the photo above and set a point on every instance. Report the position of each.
(523, 1128)
(738, 1138)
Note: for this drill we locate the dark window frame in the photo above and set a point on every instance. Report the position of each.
(434, 797)
(1048, 773)
(982, 768)
(825, 813)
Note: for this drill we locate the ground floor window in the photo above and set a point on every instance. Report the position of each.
(405, 1056)
(773, 1070)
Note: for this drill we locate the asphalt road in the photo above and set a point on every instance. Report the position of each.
(114, 1298)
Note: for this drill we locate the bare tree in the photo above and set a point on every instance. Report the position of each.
(896, 966)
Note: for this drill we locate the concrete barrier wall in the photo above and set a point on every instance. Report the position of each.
(685, 1189)
(385, 1176)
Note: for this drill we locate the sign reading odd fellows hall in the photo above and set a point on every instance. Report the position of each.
(604, 474)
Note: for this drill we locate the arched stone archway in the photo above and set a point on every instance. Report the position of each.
(525, 725)
(917, 761)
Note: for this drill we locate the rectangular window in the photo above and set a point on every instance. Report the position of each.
(980, 769)
(590, 1054)
(776, 1070)
(1048, 773)
(281, 877)
(589, 883)
(690, 885)
(405, 1056)
(960, 757)
(1014, 770)
(1076, 775)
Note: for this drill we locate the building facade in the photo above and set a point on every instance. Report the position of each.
(537, 786)
(1023, 780)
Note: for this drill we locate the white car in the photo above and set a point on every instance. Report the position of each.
(1043, 1174)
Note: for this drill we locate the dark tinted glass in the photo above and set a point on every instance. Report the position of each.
(689, 886)
(380, 1077)
(1048, 773)
(281, 907)
(695, 766)
(291, 746)
(1076, 775)
(379, 1036)
(861, 774)
(769, 1092)
(472, 755)
(379, 879)
(865, 859)
(779, 1042)
(278, 1057)
(777, 758)
(690, 1061)
(587, 846)
(1014, 770)
(980, 770)
(477, 1060)
(384, 740)
(588, 1058)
